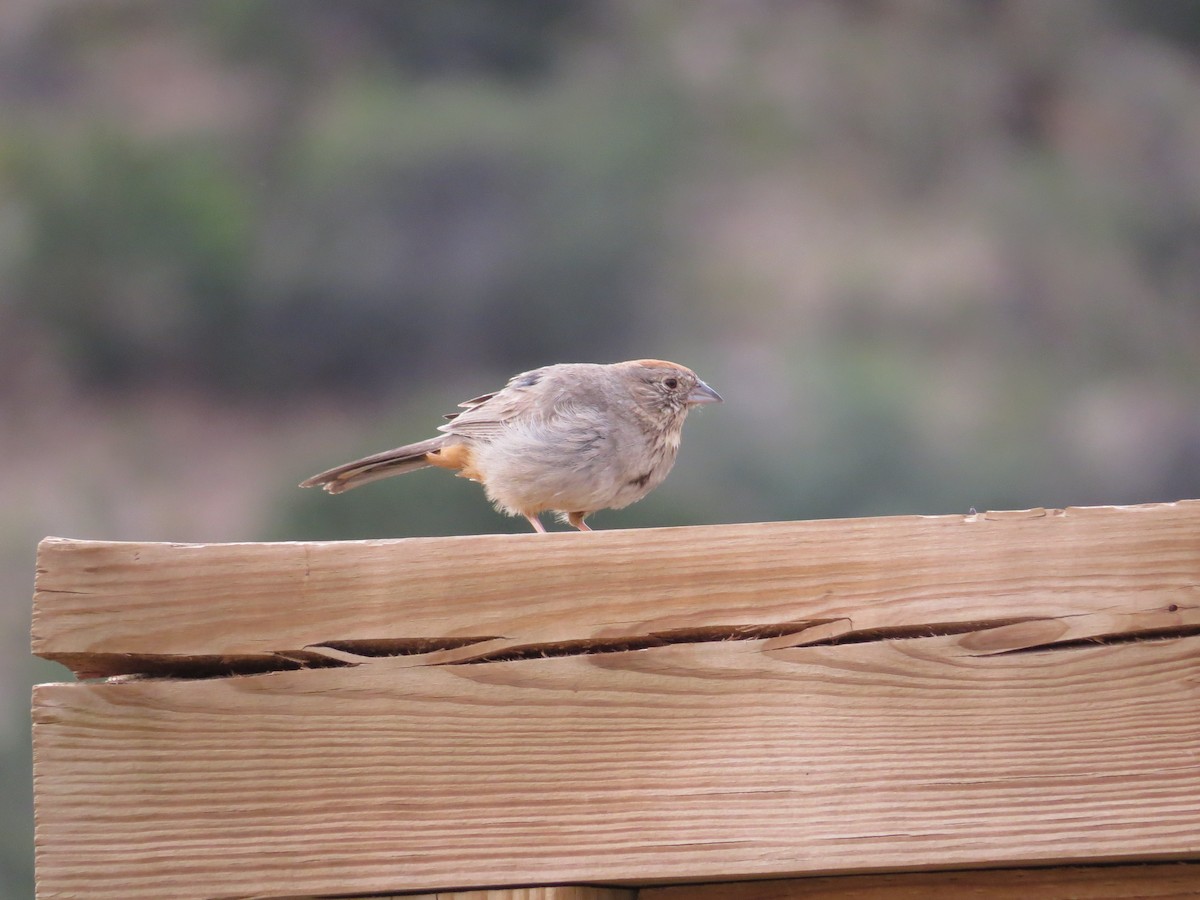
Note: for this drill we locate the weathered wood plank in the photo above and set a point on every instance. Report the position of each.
(1157, 882)
(108, 608)
(704, 761)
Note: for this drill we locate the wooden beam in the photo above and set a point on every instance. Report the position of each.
(1156, 882)
(705, 761)
(110, 608)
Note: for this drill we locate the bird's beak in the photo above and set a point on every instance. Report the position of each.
(702, 393)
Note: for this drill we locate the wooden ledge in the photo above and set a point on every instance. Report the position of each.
(1052, 576)
(631, 708)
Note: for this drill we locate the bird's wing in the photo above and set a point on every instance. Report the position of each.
(487, 415)
(471, 404)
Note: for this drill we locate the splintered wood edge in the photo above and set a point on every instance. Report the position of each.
(1021, 579)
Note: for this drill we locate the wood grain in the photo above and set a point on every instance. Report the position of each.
(712, 761)
(1161, 882)
(108, 608)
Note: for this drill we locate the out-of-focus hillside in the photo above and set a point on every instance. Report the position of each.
(935, 255)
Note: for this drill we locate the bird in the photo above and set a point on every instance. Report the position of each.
(570, 438)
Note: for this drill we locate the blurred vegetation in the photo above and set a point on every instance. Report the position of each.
(935, 255)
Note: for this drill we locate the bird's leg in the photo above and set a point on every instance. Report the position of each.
(537, 524)
(576, 519)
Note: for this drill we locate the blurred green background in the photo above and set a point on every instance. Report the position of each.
(936, 255)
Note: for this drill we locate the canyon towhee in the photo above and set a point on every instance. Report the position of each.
(572, 438)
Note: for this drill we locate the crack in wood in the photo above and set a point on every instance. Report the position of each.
(913, 632)
(1143, 635)
(984, 638)
(374, 648)
(140, 666)
(594, 646)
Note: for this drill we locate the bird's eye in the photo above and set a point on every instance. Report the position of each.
(671, 383)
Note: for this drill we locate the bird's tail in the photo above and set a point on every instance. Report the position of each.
(381, 465)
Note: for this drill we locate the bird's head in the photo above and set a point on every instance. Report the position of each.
(666, 387)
